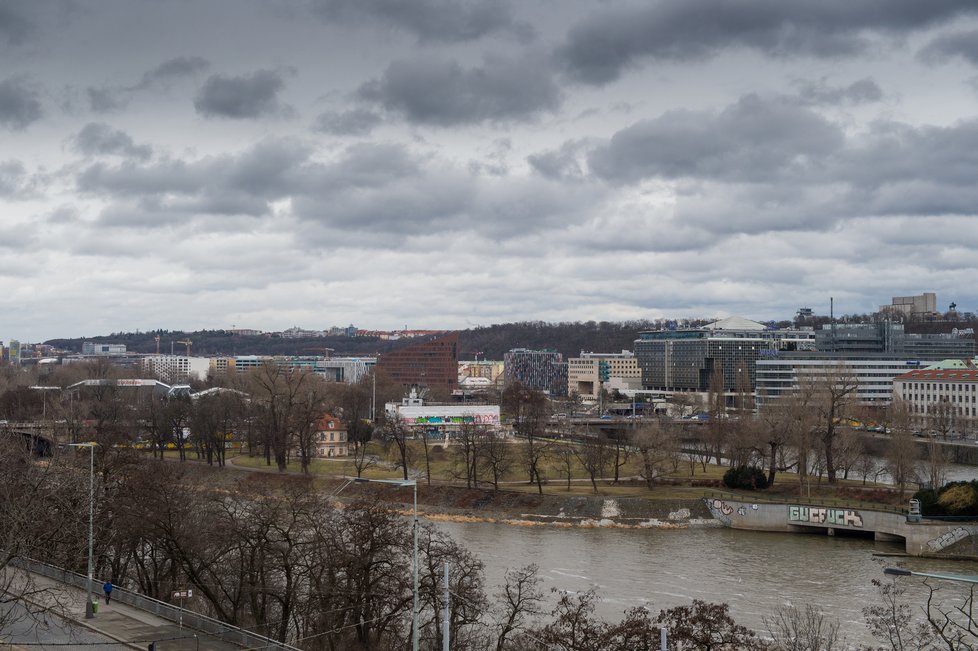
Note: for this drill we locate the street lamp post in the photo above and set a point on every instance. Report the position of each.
(89, 611)
(961, 578)
(405, 483)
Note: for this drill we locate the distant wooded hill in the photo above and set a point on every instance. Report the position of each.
(489, 342)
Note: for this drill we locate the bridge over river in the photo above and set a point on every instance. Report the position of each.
(920, 537)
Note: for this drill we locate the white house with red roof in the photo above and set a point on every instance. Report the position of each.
(331, 440)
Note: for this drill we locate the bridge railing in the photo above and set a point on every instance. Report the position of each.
(802, 501)
(192, 620)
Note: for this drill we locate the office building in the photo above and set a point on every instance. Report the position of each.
(942, 398)
(923, 306)
(587, 374)
(874, 373)
(432, 364)
(686, 360)
(543, 370)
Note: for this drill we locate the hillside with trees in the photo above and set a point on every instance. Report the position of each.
(490, 342)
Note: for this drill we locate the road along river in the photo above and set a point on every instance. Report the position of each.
(754, 572)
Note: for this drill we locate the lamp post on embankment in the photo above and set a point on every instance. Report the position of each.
(89, 609)
(961, 578)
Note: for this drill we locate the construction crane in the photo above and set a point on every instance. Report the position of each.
(157, 340)
(187, 343)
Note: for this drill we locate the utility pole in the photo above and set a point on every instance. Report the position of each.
(445, 628)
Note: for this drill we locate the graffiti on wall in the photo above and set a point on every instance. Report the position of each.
(948, 539)
(720, 510)
(721, 506)
(822, 515)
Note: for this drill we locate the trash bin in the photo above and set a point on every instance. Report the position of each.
(95, 606)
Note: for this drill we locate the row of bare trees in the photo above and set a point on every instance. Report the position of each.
(805, 430)
(273, 555)
(272, 410)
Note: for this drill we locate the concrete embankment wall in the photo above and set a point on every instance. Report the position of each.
(922, 538)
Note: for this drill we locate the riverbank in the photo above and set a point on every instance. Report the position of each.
(448, 503)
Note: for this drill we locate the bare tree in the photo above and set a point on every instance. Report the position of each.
(529, 410)
(717, 399)
(593, 455)
(621, 451)
(496, 454)
(467, 450)
(793, 629)
(942, 417)
(891, 620)
(831, 395)
(519, 602)
(936, 466)
(361, 458)
(282, 401)
(307, 410)
(41, 507)
(850, 448)
(785, 422)
(398, 433)
(566, 459)
(658, 447)
(901, 453)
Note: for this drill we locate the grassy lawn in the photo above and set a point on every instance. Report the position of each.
(444, 466)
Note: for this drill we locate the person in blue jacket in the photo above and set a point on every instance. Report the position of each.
(107, 589)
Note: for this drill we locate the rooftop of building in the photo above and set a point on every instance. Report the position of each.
(943, 374)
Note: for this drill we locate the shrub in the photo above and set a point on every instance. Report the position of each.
(746, 477)
(958, 498)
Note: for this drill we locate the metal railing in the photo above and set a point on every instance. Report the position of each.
(172, 613)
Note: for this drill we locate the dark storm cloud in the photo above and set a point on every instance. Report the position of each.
(448, 21)
(248, 96)
(19, 103)
(613, 39)
(355, 122)
(112, 99)
(15, 25)
(443, 93)
(103, 99)
(244, 184)
(947, 46)
(559, 164)
(99, 139)
(862, 91)
(894, 153)
(754, 139)
(173, 69)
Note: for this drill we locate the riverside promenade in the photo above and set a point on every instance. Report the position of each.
(129, 625)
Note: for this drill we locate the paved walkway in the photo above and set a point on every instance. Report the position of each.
(134, 627)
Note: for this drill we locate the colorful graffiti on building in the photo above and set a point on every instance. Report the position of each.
(822, 515)
(475, 419)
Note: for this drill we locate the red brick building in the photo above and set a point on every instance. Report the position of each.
(432, 364)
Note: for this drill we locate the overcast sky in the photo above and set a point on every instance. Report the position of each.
(190, 164)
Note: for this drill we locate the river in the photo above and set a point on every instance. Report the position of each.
(660, 568)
